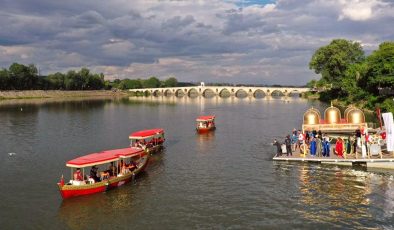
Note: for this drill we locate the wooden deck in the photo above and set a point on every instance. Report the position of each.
(386, 162)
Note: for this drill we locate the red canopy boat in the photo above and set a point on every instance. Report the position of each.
(205, 124)
(82, 184)
(151, 139)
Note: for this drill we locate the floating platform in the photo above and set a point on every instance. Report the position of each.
(386, 162)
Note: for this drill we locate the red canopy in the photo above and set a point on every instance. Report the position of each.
(103, 157)
(146, 133)
(205, 118)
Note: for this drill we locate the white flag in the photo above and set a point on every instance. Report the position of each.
(389, 125)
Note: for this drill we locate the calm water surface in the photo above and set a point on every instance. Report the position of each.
(223, 180)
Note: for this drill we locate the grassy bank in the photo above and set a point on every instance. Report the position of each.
(34, 94)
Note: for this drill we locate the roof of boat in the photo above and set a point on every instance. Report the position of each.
(205, 118)
(146, 133)
(104, 157)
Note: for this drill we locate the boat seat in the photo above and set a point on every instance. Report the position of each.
(77, 182)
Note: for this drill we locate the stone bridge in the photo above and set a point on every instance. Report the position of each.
(222, 91)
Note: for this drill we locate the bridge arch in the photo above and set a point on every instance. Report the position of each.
(277, 93)
(241, 93)
(167, 93)
(157, 93)
(259, 93)
(208, 93)
(179, 93)
(294, 93)
(192, 92)
(224, 93)
(147, 93)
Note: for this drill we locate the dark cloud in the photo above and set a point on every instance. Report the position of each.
(223, 41)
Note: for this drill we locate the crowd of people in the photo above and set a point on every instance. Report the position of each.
(112, 171)
(147, 144)
(320, 145)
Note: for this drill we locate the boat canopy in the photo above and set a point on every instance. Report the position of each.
(143, 134)
(104, 157)
(205, 118)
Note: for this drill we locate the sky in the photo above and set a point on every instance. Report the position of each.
(231, 41)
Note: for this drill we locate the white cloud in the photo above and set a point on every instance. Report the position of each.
(360, 10)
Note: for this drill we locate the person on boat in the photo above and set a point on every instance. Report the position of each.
(132, 165)
(314, 133)
(326, 145)
(300, 138)
(313, 146)
(339, 147)
(307, 136)
(318, 146)
(142, 144)
(77, 175)
(112, 169)
(278, 148)
(288, 146)
(93, 174)
(358, 137)
(294, 140)
(122, 167)
(348, 145)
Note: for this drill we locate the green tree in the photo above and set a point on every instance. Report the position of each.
(333, 60)
(4, 79)
(380, 68)
(171, 82)
(152, 82)
(311, 84)
(130, 84)
(56, 81)
(23, 77)
(352, 84)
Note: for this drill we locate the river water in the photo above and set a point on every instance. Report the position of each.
(223, 180)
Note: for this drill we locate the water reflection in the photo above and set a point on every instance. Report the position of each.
(341, 196)
(215, 99)
(205, 141)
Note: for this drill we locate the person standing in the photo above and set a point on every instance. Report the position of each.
(278, 148)
(313, 146)
(294, 140)
(318, 146)
(326, 146)
(301, 138)
(288, 146)
(339, 147)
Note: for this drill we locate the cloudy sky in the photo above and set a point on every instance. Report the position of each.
(249, 41)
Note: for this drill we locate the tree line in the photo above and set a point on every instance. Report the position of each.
(26, 77)
(352, 77)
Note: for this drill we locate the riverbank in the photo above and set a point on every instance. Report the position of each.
(36, 94)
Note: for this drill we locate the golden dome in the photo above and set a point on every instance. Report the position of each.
(332, 115)
(347, 110)
(312, 116)
(355, 116)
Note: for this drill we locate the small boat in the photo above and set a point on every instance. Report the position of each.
(205, 124)
(85, 184)
(151, 139)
